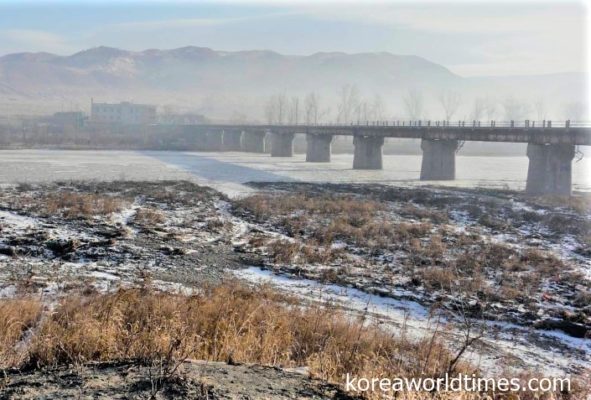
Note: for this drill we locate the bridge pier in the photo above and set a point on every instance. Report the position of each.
(439, 160)
(214, 141)
(368, 152)
(318, 148)
(254, 141)
(232, 140)
(550, 168)
(281, 144)
(196, 139)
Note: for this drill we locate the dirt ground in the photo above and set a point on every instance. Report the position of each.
(195, 380)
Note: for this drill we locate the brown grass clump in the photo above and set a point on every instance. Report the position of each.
(581, 204)
(230, 323)
(262, 205)
(77, 205)
(149, 216)
(412, 211)
(438, 277)
(284, 252)
(320, 221)
(16, 317)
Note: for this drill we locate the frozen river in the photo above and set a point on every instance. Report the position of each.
(228, 171)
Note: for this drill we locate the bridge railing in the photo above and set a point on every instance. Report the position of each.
(450, 124)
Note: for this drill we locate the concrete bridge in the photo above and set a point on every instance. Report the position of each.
(551, 148)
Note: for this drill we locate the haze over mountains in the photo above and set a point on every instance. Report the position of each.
(225, 85)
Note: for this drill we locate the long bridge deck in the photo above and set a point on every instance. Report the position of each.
(575, 134)
(550, 149)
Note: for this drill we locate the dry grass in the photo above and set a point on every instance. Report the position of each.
(421, 213)
(370, 233)
(16, 317)
(149, 217)
(231, 323)
(581, 204)
(263, 205)
(435, 256)
(512, 273)
(320, 221)
(286, 252)
(71, 204)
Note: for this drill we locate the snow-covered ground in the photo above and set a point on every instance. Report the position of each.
(504, 344)
(503, 347)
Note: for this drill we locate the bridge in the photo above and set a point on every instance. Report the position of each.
(550, 149)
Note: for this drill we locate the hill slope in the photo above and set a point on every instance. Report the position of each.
(222, 83)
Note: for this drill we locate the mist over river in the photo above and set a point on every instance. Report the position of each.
(228, 171)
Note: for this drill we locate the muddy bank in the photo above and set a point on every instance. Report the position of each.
(68, 236)
(194, 380)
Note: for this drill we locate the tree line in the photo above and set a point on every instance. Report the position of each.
(350, 107)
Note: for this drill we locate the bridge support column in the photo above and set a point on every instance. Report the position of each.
(232, 140)
(281, 144)
(439, 160)
(550, 168)
(197, 140)
(214, 141)
(368, 152)
(254, 141)
(318, 148)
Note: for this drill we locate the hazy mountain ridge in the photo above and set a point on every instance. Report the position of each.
(225, 82)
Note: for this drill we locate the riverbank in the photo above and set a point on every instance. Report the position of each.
(512, 270)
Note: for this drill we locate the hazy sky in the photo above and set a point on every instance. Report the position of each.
(468, 37)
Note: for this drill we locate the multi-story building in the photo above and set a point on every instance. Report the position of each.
(122, 113)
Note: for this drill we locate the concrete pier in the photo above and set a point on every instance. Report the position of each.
(550, 169)
(318, 148)
(254, 141)
(232, 140)
(268, 144)
(368, 152)
(281, 144)
(439, 160)
(213, 141)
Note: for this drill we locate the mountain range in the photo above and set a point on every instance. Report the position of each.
(221, 83)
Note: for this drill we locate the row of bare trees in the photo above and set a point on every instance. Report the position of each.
(487, 108)
(281, 109)
(351, 106)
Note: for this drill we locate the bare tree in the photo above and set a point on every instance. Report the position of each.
(515, 110)
(574, 111)
(490, 108)
(311, 106)
(270, 110)
(478, 109)
(294, 110)
(540, 109)
(324, 114)
(413, 104)
(450, 102)
(362, 111)
(377, 109)
(282, 104)
(276, 108)
(348, 103)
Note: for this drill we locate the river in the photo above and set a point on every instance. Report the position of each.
(229, 170)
